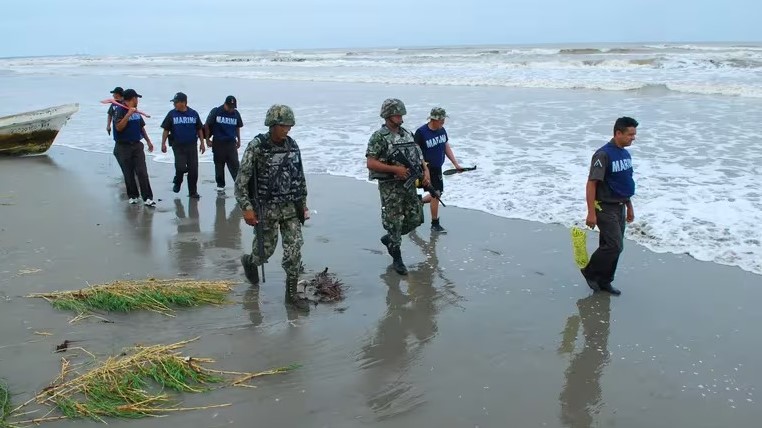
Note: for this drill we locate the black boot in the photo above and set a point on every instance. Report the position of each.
(610, 289)
(591, 282)
(292, 296)
(386, 240)
(249, 269)
(397, 263)
(436, 227)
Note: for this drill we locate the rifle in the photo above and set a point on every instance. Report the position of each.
(415, 176)
(260, 226)
(259, 209)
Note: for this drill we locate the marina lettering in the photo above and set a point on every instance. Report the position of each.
(183, 120)
(439, 139)
(222, 120)
(621, 165)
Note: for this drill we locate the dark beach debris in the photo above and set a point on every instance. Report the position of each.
(63, 347)
(326, 287)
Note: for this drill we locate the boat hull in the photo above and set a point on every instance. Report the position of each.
(33, 132)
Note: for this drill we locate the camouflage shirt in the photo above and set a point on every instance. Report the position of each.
(384, 143)
(278, 170)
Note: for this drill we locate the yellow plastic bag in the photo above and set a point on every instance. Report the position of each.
(579, 245)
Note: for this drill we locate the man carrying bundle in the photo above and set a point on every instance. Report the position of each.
(271, 190)
(609, 188)
(401, 209)
(129, 129)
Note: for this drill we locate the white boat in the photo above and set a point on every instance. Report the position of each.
(33, 132)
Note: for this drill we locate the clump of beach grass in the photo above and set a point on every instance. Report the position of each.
(158, 295)
(579, 245)
(135, 384)
(5, 404)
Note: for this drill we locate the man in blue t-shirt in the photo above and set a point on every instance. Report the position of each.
(129, 129)
(609, 188)
(182, 126)
(433, 140)
(223, 134)
(117, 93)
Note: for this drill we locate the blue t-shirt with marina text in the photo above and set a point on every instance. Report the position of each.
(432, 143)
(183, 126)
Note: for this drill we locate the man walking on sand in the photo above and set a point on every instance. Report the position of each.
(223, 135)
(433, 140)
(129, 129)
(609, 188)
(271, 190)
(183, 127)
(401, 209)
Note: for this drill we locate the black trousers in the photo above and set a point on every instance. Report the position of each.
(186, 162)
(603, 262)
(225, 154)
(132, 161)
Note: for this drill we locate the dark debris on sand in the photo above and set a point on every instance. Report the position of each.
(325, 287)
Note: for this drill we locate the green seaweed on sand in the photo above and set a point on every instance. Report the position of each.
(135, 384)
(158, 295)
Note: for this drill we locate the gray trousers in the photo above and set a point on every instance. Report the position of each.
(132, 161)
(603, 262)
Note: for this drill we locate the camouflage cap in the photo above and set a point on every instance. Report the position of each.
(392, 107)
(279, 114)
(437, 113)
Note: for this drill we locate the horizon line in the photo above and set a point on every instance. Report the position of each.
(468, 45)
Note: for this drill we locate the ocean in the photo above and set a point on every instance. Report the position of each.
(529, 117)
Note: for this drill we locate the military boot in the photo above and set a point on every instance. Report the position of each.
(249, 269)
(292, 295)
(386, 240)
(397, 263)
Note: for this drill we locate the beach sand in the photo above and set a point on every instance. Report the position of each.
(493, 327)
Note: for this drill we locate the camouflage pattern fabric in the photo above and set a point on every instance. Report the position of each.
(392, 107)
(437, 113)
(401, 210)
(279, 114)
(281, 217)
(382, 145)
(264, 156)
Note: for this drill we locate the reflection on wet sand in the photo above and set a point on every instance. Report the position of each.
(402, 332)
(140, 222)
(227, 228)
(186, 245)
(251, 305)
(227, 235)
(581, 395)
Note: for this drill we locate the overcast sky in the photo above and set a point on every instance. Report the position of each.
(60, 27)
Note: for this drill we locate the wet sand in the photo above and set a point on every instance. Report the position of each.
(492, 328)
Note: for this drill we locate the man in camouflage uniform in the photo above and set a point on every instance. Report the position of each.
(271, 188)
(401, 208)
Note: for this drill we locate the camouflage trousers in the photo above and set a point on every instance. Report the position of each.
(280, 217)
(401, 210)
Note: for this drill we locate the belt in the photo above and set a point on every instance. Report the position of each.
(618, 203)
